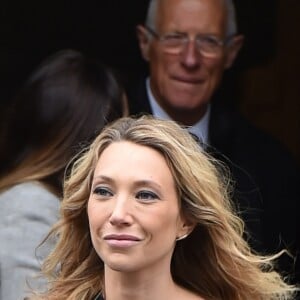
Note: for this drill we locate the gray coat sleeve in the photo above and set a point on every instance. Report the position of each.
(27, 213)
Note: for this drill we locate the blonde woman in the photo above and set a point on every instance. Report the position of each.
(146, 215)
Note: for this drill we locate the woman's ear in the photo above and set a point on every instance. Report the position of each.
(143, 40)
(185, 228)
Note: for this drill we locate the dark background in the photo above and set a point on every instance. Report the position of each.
(264, 84)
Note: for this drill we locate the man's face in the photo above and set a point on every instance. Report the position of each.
(185, 82)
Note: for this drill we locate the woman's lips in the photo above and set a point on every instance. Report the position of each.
(121, 240)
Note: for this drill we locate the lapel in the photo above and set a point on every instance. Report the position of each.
(221, 129)
(138, 98)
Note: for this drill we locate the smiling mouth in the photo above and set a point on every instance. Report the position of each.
(121, 241)
(189, 80)
(121, 237)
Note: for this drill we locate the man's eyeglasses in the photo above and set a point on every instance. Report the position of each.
(174, 43)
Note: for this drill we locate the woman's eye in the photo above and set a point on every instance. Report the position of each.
(101, 191)
(146, 195)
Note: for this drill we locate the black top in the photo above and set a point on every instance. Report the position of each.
(99, 297)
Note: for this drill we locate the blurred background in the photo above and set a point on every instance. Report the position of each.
(264, 83)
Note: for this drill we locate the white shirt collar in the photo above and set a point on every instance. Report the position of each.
(200, 129)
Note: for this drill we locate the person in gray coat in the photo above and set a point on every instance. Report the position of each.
(58, 111)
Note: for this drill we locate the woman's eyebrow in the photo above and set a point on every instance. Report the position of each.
(137, 183)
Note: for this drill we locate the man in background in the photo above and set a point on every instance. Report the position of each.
(188, 45)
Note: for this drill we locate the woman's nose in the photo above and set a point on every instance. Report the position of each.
(121, 212)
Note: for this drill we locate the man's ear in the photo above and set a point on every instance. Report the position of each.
(233, 49)
(143, 40)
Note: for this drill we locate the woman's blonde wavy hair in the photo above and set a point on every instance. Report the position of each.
(213, 261)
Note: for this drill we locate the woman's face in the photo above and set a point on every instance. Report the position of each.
(133, 209)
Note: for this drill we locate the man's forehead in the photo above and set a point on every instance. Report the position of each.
(218, 4)
(210, 14)
(168, 7)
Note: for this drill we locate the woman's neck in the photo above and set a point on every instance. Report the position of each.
(155, 286)
(137, 286)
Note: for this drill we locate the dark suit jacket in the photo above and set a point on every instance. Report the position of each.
(266, 177)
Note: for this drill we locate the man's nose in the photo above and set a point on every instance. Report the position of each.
(190, 56)
(121, 211)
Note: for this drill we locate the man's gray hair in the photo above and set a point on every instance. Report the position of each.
(231, 16)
